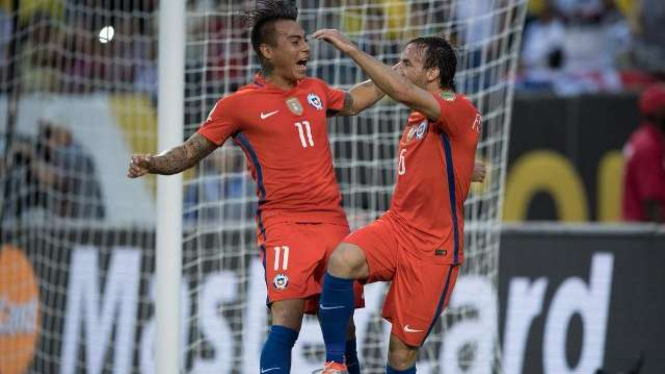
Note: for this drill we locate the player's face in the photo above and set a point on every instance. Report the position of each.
(289, 58)
(411, 65)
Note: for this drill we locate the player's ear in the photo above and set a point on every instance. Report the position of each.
(266, 51)
(432, 74)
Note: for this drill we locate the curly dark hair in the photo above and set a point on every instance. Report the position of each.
(439, 53)
(263, 18)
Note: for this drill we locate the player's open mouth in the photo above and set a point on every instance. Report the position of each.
(302, 65)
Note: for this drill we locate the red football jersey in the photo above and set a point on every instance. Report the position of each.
(435, 166)
(285, 139)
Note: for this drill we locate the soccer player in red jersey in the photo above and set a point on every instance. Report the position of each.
(418, 243)
(279, 121)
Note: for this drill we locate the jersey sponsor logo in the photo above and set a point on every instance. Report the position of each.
(266, 115)
(440, 252)
(19, 311)
(448, 96)
(422, 130)
(407, 328)
(294, 106)
(315, 101)
(281, 281)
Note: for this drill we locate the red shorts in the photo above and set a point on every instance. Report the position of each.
(421, 286)
(295, 257)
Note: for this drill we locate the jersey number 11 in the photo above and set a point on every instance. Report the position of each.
(304, 127)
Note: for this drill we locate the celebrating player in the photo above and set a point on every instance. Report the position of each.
(418, 242)
(279, 121)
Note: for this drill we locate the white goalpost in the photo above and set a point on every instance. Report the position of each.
(168, 256)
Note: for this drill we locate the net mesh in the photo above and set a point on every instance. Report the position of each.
(364, 148)
(77, 96)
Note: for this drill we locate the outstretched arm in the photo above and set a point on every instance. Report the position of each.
(360, 97)
(173, 161)
(387, 80)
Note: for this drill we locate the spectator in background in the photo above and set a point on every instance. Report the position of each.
(54, 174)
(644, 175)
(543, 51)
(649, 34)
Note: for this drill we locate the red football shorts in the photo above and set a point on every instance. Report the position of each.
(421, 286)
(295, 257)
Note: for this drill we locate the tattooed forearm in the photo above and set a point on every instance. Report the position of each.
(348, 103)
(182, 157)
(360, 97)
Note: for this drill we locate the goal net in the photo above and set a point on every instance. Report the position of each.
(219, 216)
(78, 85)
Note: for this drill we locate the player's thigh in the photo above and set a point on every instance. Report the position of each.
(401, 356)
(378, 243)
(420, 292)
(290, 257)
(330, 236)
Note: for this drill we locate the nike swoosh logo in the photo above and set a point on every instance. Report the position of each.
(267, 370)
(331, 307)
(266, 115)
(408, 329)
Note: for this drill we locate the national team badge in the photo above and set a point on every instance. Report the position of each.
(281, 281)
(294, 105)
(448, 95)
(315, 101)
(421, 131)
(410, 134)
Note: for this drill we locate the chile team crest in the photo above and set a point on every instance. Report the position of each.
(422, 130)
(315, 101)
(281, 281)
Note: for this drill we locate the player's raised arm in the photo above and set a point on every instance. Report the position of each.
(360, 97)
(389, 81)
(173, 161)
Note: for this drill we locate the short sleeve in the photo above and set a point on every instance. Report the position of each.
(650, 175)
(457, 114)
(334, 98)
(221, 122)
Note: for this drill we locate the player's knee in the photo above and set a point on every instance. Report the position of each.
(402, 359)
(287, 313)
(346, 261)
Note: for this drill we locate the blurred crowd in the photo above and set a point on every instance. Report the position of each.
(569, 46)
(581, 46)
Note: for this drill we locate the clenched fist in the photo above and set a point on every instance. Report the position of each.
(479, 171)
(139, 165)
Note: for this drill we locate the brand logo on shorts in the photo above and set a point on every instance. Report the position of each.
(281, 281)
(315, 101)
(19, 311)
(409, 329)
(294, 105)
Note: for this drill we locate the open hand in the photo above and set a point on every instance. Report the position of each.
(139, 165)
(336, 38)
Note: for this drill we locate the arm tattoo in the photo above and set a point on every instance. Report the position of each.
(348, 103)
(183, 156)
